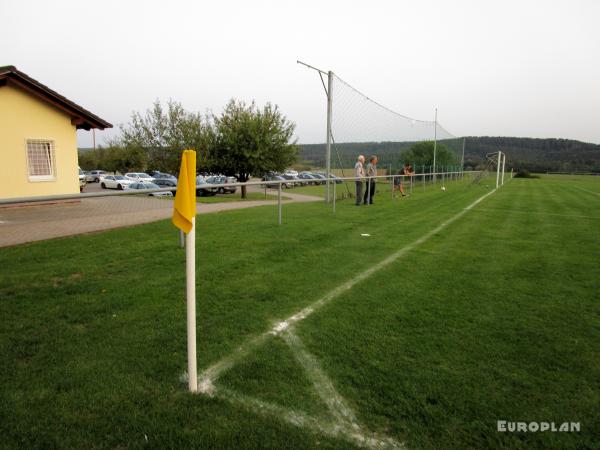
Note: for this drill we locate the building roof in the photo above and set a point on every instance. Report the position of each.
(80, 117)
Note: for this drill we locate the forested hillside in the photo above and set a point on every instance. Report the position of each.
(539, 155)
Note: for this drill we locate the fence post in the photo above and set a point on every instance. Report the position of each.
(279, 202)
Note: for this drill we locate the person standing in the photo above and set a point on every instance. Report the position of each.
(359, 173)
(406, 171)
(370, 172)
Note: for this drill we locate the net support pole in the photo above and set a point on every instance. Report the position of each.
(328, 141)
(190, 277)
(279, 203)
(498, 169)
(334, 195)
(435, 143)
(462, 160)
(503, 166)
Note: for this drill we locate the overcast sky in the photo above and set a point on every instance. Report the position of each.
(500, 68)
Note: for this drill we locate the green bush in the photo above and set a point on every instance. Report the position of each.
(524, 173)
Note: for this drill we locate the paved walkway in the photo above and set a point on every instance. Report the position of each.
(35, 223)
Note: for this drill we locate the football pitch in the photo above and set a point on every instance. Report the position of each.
(413, 323)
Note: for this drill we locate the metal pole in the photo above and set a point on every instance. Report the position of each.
(423, 177)
(498, 170)
(435, 142)
(190, 276)
(329, 112)
(503, 166)
(279, 203)
(391, 180)
(181, 239)
(334, 195)
(462, 159)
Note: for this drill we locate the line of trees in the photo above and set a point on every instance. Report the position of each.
(243, 141)
(393, 154)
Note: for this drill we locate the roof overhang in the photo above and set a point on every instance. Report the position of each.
(81, 118)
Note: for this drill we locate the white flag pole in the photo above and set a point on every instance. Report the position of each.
(190, 270)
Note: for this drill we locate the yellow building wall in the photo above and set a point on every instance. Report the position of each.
(22, 117)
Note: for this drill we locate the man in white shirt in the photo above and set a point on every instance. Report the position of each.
(359, 173)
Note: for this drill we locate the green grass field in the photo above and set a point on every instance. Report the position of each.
(492, 316)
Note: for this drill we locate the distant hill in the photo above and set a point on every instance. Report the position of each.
(536, 155)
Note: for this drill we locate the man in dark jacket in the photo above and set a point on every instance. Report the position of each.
(370, 172)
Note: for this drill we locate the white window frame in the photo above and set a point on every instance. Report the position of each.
(53, 174)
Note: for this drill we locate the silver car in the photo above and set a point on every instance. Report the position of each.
(93, 176)
(145, 186)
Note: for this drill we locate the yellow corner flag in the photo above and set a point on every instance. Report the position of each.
(185, 201)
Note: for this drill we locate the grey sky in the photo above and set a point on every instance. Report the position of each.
(518, 68)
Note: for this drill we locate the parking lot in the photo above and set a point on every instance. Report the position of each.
(23, 224)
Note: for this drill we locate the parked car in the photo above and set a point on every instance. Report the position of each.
(334, 178)
(291, 172)
(93, 176)
(276, 185)
(204, 189)
(81, 179)
(139, 177)
(115, 182)
(145, 186)
(162, 175)
(308, 178)
(222, 180)
(321, 179)
(294, 179)
(166, 183)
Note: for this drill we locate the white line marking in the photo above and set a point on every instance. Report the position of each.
(315, 424)
(586, 190)
(209, 376)
(536, 212)
(341, 423)
(345, 425)
(322, 384)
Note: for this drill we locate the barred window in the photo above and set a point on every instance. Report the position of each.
(40, 159)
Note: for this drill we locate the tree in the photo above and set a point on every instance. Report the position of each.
(249, 141)
(163, 134)
(421, 154)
